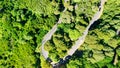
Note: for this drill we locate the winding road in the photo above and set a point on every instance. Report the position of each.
(80, 40)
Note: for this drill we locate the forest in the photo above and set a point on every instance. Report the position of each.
(24, 23)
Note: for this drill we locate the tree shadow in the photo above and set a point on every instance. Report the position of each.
(96, 24)
(61, 6)
(116, 17)
(37, 63)
(85, 18)
(78, 54)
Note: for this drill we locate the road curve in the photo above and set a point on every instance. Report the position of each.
(49, 35)
(80, 40)
(46, 38)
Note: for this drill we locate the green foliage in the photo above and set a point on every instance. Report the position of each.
(86, 9)
(73, 34)
(101, 40)
(76, 0)
(73, 64)
(44, 63)
(118, 51)
(21, 32)
(23, 24)
(105, 63)
(16, 56)
(39, 7)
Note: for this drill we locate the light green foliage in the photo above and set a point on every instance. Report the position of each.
(97, 56)
(21, 32)
(101, 38)
(73, 64)
(66, 17)
(105, 63)
(16, 56)
(54, 56)
(38, 6)
(106, 35)
(86, 9)
(58, 45)
(118, 51)
(73, 34)
(44, 64)
(23, 24)
(76, 0)
(113, 43)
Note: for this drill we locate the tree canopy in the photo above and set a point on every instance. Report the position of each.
(23, 24)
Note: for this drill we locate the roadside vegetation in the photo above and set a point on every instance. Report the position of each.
(23, 24)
